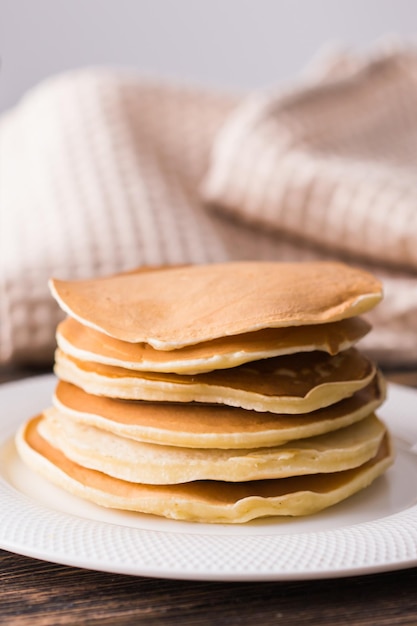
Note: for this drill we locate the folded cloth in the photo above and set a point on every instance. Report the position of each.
(101, 171)
(333, 161)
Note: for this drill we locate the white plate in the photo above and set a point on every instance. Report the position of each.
(374, 531)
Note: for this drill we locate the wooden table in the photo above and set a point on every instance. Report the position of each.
(40, 594)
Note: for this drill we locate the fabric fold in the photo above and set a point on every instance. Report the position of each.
(333, 162)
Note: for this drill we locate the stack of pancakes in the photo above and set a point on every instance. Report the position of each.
(214, 393)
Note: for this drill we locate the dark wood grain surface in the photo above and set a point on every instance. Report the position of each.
(34, 592)
(42, 594)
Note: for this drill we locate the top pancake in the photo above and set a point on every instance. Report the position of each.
(176, 307)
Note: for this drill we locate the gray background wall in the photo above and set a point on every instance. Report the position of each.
(237, 44)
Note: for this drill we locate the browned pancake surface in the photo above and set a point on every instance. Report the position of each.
(182, 306)
(289, 375)
(203, 500)
(86, 343)
(199, 425)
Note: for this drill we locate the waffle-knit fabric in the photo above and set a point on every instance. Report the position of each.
(333, 161)
(101, 172)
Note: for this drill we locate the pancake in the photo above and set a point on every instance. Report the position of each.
(156, 464)
(211, 426)
(86, 344)
(173, 308)
(202, 501)
(298, 383)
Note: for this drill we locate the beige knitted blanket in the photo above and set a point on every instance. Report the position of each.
(101, 171)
